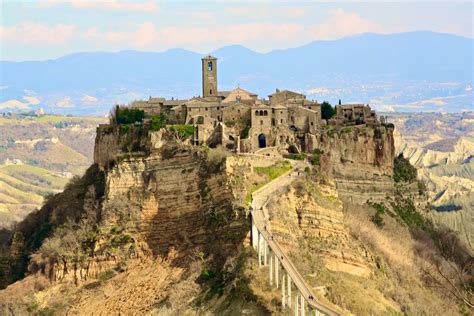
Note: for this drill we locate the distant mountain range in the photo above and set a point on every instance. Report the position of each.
(405, 72)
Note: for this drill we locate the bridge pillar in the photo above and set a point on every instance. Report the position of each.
(254, 236)
(270, 270)
(277, 267)
(259, 249)
(296, 303)
(283, 294)
(288, 285)
(303, 303)
(265, 249)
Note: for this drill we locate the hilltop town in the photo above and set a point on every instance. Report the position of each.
(240, 121)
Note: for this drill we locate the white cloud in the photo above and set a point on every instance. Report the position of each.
(384, 108)
(28, 32)
(89, 99)
(16, 104)
(342, 23)
(147, 35)
(65, 103)
(31, 100)
(112, 5)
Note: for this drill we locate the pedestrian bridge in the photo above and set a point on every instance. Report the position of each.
(296, 294)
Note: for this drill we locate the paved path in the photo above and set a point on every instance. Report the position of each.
(260, 219)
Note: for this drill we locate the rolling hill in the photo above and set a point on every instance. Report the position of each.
(38, 156)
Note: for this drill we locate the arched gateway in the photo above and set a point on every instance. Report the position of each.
(262, 141)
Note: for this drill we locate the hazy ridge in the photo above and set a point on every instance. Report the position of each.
(407, 71)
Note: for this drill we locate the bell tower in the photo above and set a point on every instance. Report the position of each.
(209, 76)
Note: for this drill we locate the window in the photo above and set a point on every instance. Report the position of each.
(218, 108)
(265, 113)
(273, 111)
(312, 124)
(281, 121)
(209, 65)
(210, 91)
(261, 122)
(238, 111)
(256, 113)
(206, 109)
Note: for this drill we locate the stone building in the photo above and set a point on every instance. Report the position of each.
(354, 114)
(238, 120)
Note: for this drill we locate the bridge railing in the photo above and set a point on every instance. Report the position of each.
(287, 265)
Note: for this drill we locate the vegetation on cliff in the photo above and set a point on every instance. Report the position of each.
(78, 198)
(403, 171)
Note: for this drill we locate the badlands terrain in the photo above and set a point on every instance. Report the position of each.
(441, 146)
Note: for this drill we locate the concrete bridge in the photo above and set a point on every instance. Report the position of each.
(296, 294)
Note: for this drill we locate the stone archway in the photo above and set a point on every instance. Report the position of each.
(262, 141)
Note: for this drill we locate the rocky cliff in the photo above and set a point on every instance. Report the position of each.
(158, 226)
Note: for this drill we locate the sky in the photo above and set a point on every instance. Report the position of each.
(48, 29)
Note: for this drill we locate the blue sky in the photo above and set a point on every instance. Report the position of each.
(37, 30)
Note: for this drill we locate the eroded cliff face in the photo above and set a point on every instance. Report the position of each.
(178, 198)
(176, 205)
(355, 152)
(359, 159)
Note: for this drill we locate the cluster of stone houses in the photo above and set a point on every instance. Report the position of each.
(239, 120)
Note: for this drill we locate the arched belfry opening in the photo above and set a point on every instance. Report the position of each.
(262, 141)
(209, 76)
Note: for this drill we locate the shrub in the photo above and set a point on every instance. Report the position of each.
(403, 170)
(207, 274)
(327, 110)
(300, 156)
(421, 187)
(377, 217)
(183, 131)
(124, 128)
(129, 115)
(245, 132)
(316, 159)
(158, 121)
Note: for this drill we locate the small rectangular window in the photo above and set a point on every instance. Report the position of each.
(209, 65)
(261, 122)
